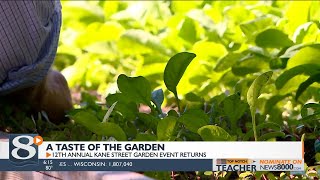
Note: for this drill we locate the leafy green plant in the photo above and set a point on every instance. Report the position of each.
(253, 94)
(186, 71)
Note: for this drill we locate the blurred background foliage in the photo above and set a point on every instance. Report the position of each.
(233, 41)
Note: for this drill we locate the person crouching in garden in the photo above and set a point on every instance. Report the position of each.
(29, 34)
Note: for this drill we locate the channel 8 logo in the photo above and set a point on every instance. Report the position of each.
(22, 149)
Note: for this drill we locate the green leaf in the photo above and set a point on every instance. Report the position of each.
(188, 30)
(99, 32)
(314, 106)
(306, 55)
(234, 108)
(136, 41)
(317, 156)
(214, 133)
(303, 86)
(136, 89)
(250, 64)
(270, 125)
(272, 102)
(307, 69)
(145, 137)
(255, 88)
(201, 16)
(291, 51)
(148, 120)
(165, 129)
(273, 38)
(253, 94)
(127, 108)
(192, 97)
(227, 61)
(271, 135)
(253, 27)
(194, 119)
(90, 121)
(175, 69)
(302, 31)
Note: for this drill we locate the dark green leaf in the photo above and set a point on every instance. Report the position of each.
(136, 89)
(271, 103)
(175, 69)
(250, 64)
(148, 120)
(125, 106)
(173, 113)
(267, 125)
(145, 137)
(90, 121)
(314, 106)
(271, 135)
(194, 119)
(234, 108)
(303, 86)
(307, 69)
(273, 38)
(192, 97)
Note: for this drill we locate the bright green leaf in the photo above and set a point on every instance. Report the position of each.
(188, 30)
(136, 41)
(306, 55)
(252, 27)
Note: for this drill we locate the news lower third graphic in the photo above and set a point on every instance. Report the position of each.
(28, 152)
